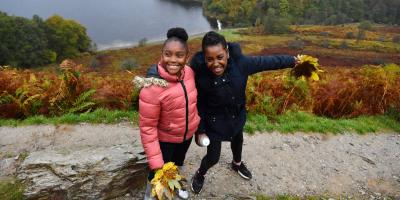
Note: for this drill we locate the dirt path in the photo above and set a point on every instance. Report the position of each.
(366, 166)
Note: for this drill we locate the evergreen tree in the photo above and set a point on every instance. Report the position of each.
(283, 8)
(274, 24)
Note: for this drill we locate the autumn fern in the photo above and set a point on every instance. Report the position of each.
(83, 102)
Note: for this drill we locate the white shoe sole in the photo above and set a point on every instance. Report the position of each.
(183, 194)
(191, 187)
(243, 176)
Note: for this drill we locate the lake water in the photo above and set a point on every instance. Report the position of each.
(117, 23)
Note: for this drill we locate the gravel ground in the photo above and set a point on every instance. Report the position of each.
(347, 165)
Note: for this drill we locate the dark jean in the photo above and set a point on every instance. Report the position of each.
(214, 152)
(173, 152)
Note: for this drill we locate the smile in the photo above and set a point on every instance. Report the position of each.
(218, 70)
(174, 67)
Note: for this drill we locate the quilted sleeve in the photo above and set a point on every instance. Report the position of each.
(149, 113)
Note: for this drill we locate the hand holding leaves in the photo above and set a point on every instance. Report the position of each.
(166, 181)
(306, 67)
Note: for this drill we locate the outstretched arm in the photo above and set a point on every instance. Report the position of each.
(255, 64)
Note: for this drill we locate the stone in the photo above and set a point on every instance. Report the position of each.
(8, 167)
(93, 173)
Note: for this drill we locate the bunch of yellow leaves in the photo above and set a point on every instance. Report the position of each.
(306, 67)
(166, 181)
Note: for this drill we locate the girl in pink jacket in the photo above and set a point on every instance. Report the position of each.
(168, 114)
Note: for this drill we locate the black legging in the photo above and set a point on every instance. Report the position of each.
(173, 152)
(214, 152)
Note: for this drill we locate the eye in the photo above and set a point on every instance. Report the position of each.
(180, 54)
(167, 53)
(220, 57)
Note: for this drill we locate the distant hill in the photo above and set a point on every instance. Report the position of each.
(260, 12)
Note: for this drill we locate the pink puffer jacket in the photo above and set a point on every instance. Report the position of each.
(164, 113)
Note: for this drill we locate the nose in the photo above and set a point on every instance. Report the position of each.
(174, 59)
(215, 64)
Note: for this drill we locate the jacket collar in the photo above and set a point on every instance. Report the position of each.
(168, 77)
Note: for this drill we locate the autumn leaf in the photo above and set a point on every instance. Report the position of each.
(166, 181)
(306, 67)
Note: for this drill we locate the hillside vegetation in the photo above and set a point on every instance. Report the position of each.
(361, 76)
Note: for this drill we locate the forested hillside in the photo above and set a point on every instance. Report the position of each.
(326, 12)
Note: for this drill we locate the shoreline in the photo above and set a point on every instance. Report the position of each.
(148, 42)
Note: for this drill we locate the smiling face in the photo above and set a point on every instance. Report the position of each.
(174, 57)
(216, 57)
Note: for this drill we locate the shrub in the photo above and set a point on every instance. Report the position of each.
(135, 99)
(341, 92)
(361, 34)
(26, 93)
(71, 97)
(325, 34)
(95, 63)
(297, 44)
(275, 96)
(142, 42)
(378, 61)
(274, 24)
(396, 39)
(325, 43)
(381, 38)
(365, 25)
(129, 64)
(393, 112)
(350, 35)
(93, 47)
(378, 47)
(344, 45)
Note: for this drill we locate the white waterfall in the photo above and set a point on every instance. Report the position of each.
(219, 25)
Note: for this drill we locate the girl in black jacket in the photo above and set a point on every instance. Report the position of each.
(221, 77)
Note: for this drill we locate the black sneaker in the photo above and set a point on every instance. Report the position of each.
(197, 182)
(242, 170)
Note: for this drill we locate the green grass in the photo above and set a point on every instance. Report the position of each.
(290, 197)
(11, 190)
(98, 116)
(256, 43)
(353, 44)
(313, 197)
(289, 122)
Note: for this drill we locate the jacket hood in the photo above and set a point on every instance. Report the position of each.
(158, 76)
(152, 78)
(235, 52)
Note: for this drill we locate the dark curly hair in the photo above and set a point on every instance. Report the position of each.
(213, 38)
(177, 34)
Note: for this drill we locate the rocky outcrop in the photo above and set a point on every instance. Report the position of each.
(92, 173)
(8, 167)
